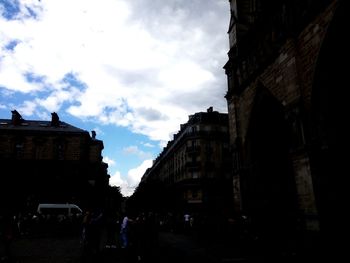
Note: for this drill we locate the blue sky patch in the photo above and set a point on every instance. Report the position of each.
(72, 80)
(11, 45)
(34, 78)
(9, 100)
(10, 8)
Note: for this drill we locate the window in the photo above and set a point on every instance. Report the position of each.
(54, 211)
(194, 194)
(19, 150)
(60, 154)
(59, 149)
(195, 175)
(18, 147)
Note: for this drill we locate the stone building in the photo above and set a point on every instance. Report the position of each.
(49, 161)
(286, 105)
(194, 168)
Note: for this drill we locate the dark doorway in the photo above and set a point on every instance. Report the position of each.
(329, 139)
(269, 192)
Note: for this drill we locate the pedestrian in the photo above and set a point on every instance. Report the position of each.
(139, 236)
(124, 231)
(91, 235)
(111, 229)
(85, 227)
(186, 223)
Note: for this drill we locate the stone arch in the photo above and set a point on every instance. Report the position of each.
(328, 124)
(268, 185)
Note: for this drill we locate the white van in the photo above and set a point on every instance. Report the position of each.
(59, 209)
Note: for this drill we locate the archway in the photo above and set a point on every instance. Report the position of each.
(268, 186)
(328, 127)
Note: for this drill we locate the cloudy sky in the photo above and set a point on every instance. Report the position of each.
(132, 70)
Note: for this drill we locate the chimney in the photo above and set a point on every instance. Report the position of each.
(93, 135)
(16, 118)
(55, 120)
(210, 109)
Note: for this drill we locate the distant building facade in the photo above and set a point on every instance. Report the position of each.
(194, 168)
(286, 107)
(49, 161)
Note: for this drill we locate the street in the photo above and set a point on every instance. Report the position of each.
(172, 248)
(46, 249)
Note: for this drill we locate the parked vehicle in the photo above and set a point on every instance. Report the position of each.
(58, 219)
(67, 210)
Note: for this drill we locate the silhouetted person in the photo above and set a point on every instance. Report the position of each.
(187, 225)
(6, 235)
(151, 228)
(111, 228)
(91, 235)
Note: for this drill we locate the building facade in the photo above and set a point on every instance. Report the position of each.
(194, 168)
(286, 113)
(49, 161)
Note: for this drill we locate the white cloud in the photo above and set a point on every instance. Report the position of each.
(128, 57)
(134, 150)
(55, 100)
(117, 180)
(147, 144)
(133, 178)
(143, 64)
(27, 108)
(134, 175)
(109, 161)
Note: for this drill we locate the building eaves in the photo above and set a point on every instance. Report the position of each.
(39, 126)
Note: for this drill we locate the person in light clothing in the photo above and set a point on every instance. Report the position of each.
(124, 231)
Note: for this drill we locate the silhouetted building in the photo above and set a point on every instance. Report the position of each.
(194, 168)
(287, 115)
(49, 161)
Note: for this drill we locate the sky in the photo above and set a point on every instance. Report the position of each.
(131, 70)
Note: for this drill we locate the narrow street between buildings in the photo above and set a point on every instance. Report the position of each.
(171, 248)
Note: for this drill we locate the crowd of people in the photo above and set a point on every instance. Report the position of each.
(17, 225)
(102, 231)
